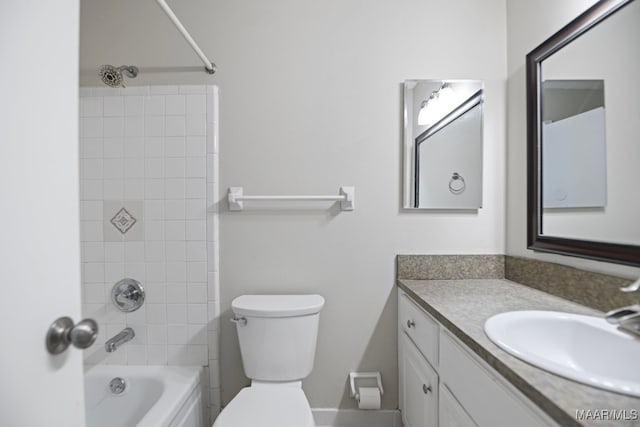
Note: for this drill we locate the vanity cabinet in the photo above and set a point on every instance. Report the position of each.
(443, 383)
(419, 382)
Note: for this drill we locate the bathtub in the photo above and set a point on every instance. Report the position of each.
(154, 396)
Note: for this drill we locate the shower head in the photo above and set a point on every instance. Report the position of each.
(112, 76)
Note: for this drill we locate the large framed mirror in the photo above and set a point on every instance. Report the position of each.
(583, 136)
(443, 144)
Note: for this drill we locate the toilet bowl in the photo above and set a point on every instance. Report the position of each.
(277, 335)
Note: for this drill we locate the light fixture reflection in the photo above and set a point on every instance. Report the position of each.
(440, 102)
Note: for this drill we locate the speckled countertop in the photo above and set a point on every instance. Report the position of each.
(463, 306)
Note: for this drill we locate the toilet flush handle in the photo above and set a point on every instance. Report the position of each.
(240, 321)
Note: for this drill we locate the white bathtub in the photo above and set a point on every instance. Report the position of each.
(155, 396)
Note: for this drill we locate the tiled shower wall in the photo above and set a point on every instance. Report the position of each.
(148, 167)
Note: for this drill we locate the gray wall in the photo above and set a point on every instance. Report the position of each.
(311, 99)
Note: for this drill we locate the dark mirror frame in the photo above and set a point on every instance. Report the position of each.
(611, 252)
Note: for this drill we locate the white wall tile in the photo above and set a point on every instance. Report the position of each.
(174, 146)
(177, 334)
(196, 209)
(113, 148)
(91, 168)
(156, 271)
(134, 189)
(175, 167)
(196, 251)
(196, 167)
(113, 127)
(196, 230)
(114, 251)
(175, 126)
(196, 125)
(155, 293)
(154, 168)
(134, 126)
(174, 230)
(91, 127)
(157, 333)
(154, 230)
(92, 252)
(174, 188)
(134, 168)
(113, 169)
(156, 314)
(196, 104)
(176, 250)
(134, 251)
(153, 147)
(157, 354)
(196, 146)
(135, 152)
(113, 189)
(134, 147)
(91, 189)
(134, 105)
(114, 106)
(196, 272)
(91, 106)
(154, 125)
(176, 271)
(174, 209)
(176, 313)
(154, 105)
(196, 293)
(176, 293)
(197, 334)
(175, 105)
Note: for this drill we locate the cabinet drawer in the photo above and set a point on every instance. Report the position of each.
(489, 401)
(420, 327)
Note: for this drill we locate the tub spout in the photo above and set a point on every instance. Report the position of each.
(124, 336)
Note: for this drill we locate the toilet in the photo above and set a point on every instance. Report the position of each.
(277, 335)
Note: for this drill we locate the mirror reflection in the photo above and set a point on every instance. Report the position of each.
(589, 134)
(443, 144)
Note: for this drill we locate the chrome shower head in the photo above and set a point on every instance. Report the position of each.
(112, 76)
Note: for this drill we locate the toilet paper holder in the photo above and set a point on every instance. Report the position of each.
(364, 379)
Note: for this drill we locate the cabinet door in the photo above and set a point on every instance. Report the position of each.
(450, 412)
(419, 384)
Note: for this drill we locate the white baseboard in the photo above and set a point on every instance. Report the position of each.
(356, 418)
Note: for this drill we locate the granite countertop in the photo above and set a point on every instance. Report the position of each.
(463, 306)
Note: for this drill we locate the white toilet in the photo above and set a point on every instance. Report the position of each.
(277, 335)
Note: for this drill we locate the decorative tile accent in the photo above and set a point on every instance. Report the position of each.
(123, 221)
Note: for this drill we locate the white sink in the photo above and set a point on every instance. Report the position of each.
(582, 348)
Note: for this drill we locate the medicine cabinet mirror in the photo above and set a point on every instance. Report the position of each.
(583, 136)
(443, 144)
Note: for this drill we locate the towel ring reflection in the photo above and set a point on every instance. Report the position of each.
(457, 184)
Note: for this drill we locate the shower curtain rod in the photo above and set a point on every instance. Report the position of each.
(209, 66)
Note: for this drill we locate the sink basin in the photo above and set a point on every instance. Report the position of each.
(586, 349)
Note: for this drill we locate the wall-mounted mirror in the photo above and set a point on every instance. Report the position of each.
(443, 144)
(584, 136)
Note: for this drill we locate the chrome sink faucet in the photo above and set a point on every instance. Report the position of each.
(627, 318)
(122, 337)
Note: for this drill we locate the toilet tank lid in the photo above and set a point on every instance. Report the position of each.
(277, 305)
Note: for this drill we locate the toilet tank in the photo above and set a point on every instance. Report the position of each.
(278, 339)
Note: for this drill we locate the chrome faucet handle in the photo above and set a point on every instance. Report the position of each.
(128, 295)
(622, 314)
(632, 287)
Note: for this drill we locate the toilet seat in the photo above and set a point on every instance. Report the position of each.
(267, 406)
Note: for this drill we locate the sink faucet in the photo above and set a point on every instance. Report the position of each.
(627, 318)
(122, 337)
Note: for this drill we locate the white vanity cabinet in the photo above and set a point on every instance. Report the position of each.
(443, 383)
